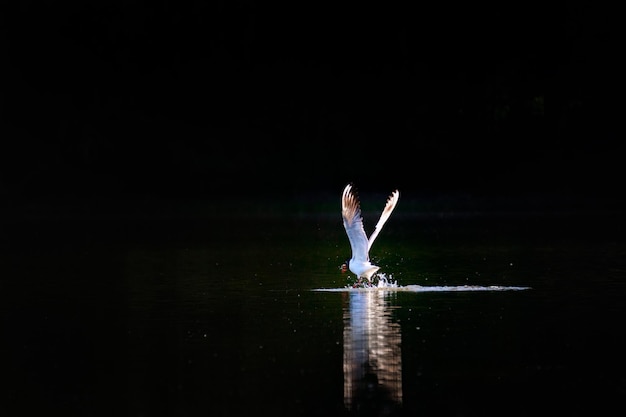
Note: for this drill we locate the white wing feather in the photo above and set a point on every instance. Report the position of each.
(353, 223)
(392, 200)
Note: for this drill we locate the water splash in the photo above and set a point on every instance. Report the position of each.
(379, 280)
(382, 282)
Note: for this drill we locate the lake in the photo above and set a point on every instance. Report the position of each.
(185, 309)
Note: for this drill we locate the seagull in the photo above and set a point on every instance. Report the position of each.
(360, 263)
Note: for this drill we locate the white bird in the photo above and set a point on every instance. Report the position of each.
(360, 263)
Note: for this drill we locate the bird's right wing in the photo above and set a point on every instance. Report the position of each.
(392, 200)
(353, 223)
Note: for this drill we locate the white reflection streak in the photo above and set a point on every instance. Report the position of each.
(372, 357)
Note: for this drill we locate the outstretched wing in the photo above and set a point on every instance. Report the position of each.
(392, 200)
(353, 223)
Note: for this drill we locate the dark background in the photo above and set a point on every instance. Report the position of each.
(105, 102)
(164, 99)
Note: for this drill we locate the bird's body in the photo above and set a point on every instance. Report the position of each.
(360, 263)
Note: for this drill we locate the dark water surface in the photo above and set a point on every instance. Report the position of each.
(189, 312)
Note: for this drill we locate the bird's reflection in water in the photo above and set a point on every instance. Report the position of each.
(372, 359)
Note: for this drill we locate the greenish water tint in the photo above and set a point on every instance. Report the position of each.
(181, 313)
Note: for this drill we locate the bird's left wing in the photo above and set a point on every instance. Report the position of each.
(392, 200)
(353, 223)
